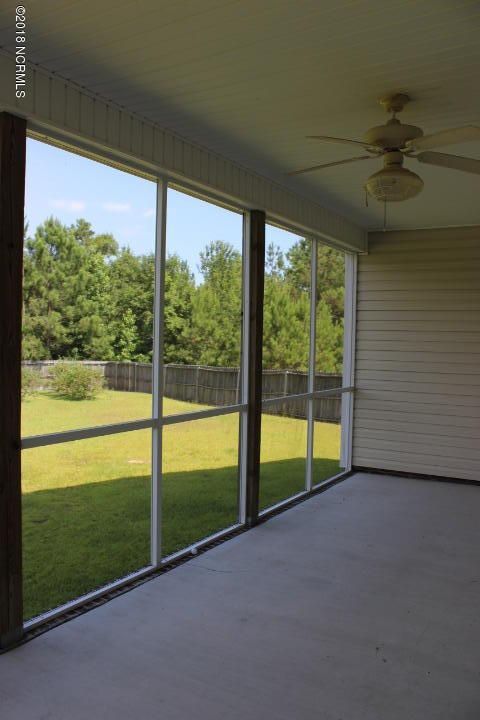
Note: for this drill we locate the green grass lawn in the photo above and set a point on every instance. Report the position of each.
(86, 504)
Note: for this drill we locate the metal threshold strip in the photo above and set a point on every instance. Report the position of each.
(89, 601)
(58, 616)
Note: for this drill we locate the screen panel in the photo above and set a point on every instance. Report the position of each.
(200, 480)
(86, 516)
(88, 293)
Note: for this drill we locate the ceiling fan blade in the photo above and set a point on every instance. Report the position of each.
(445, 137)
(454, 162)
(343, 141)
(332, 164)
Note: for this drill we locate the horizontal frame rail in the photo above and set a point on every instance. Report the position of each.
(49, 615)
(201, 414)
(64, 436)
(306, 396)
(33, 441)
(84, 433)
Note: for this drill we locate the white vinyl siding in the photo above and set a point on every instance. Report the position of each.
(417, 405)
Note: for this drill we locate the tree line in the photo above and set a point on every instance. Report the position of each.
(87, 298)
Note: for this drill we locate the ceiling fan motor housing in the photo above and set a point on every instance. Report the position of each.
(393, 183)
(392, 136)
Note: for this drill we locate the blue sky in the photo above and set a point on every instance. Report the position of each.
(69, 187)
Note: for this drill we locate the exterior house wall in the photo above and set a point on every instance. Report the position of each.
(417, 405)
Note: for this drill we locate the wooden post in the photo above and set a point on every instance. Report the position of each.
(12, 192)
(197, 389)
(254, 360)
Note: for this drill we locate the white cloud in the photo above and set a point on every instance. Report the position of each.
(70, 205)
(132, 231)
(116, 207)
(149, 213)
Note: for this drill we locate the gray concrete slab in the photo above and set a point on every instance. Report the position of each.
(359, 604)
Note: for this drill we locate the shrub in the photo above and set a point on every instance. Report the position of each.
(74, 381)
(30, 381)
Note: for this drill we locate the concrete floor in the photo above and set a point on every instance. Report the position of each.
(360, 604)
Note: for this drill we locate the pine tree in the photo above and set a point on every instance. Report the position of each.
(179, 293)
(217, 307)
(66, 293)
(127, 336)
(85, 299)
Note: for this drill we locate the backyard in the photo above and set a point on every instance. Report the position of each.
(86, 504)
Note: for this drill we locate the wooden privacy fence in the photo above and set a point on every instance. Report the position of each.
(205, 385)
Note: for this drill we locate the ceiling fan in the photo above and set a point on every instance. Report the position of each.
(394, 141)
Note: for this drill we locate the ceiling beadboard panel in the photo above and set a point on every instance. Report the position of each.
(99, 127)
(249, 80)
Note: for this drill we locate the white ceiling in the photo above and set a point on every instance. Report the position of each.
(251, 78)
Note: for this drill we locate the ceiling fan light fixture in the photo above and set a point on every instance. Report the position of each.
(394, 183)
